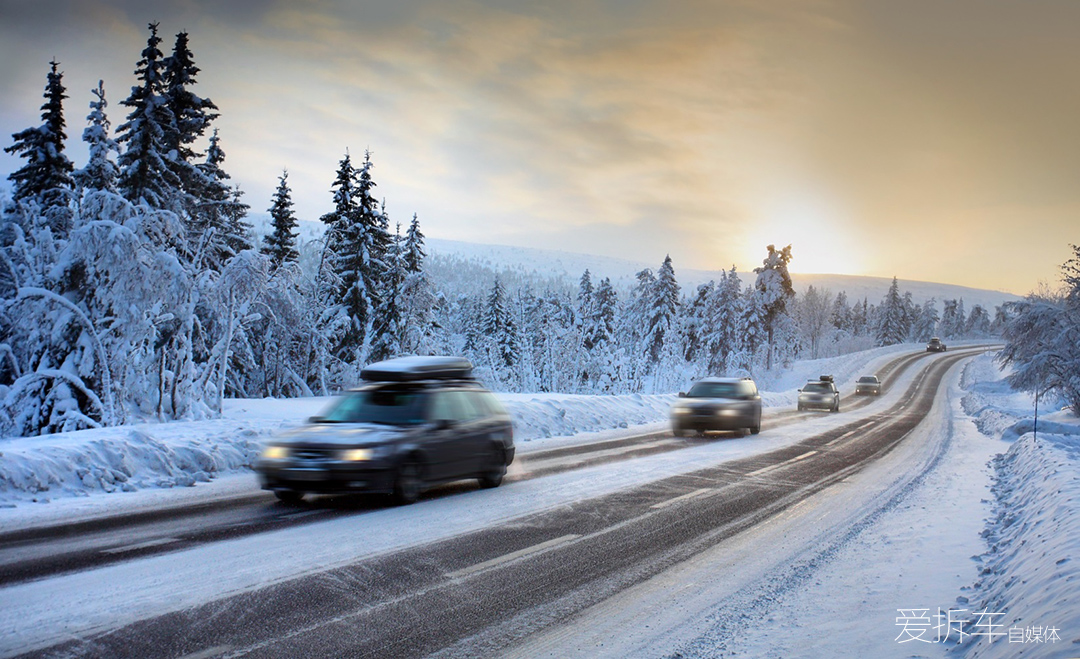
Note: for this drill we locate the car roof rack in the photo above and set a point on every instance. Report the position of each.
(411, 369)
(825, 378)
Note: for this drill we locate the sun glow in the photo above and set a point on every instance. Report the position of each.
(820, 237)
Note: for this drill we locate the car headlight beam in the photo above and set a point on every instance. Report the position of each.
(357, 454)
(275, 453)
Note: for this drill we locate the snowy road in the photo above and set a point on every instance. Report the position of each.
(42, 551)
(468, 574)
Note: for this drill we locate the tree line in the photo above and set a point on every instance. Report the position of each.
(134, 287)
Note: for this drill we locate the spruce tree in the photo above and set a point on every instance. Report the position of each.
(46, 176)
(146, 174)
(890, 329)
(219, 226)
(356, 247)
(662, 309)
(280, 243)
(774, 289)
(499, 328)
(414, 247)
(192, 114)
(100, 172)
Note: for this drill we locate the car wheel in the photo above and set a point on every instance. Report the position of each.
(496, 469)
(289, 496)
(677, 431)
(800, 407)
(756, 429)
(836, 408)
(407, 483)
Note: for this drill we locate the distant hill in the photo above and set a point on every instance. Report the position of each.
(550, 266)
(556, 264)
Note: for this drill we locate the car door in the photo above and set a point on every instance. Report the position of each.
(452, 442)
(443, 433)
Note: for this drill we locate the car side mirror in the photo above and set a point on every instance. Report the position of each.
(800, 391)
(682, 394)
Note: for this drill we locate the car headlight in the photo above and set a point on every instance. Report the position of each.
(357, 454)
(680, 410)
(275, 453)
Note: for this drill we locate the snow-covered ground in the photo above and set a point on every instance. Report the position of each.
(145, 456)
(982, 528)
(940, 525)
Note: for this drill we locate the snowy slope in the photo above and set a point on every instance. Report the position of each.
(568, 266)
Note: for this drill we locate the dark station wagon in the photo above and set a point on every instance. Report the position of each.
(718, 404)
(414, 423)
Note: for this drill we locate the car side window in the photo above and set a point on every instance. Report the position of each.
(444, 407)
(491, 402)
(469, 410)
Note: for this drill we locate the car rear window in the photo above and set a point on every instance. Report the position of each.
(392, 405)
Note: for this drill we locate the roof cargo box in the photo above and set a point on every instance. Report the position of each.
(406, 369)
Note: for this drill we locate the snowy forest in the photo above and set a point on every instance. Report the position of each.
(135, 287)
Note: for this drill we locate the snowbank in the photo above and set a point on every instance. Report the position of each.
(1031, 571)
(182, 453)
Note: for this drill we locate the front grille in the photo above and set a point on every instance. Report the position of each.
(312, 454)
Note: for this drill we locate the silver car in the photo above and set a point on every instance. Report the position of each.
(717, 404)
(820, 394)
(868, 385)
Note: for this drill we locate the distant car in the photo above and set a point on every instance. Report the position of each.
(718, 404)
(935, 345)
(868, 385)
(415, 422)
(820, 394)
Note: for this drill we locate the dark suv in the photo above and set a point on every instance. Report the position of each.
(416, 422)
(718, 404)
(935, 345)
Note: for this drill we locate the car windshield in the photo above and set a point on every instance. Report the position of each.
(714, 390)
(868, 379)
(384, 405)
(817, 388)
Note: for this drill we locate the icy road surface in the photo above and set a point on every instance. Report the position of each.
(98, 600)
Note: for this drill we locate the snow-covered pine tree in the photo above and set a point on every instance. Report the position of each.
(661, 310)
(694, 327)
(927, 322)
(774, 289)
(280, 243)
(389, 336)
(891, 328)
(414, 247)
(192, 115)
(585, 309)
(725, 324)
(146, 174)
(218, 222)
(418, 300)
(100, 172)
(500, 331)
(46, 178)
(355, 249)
(603, 361)
(978, 323)
(840, 316)
(952, 320)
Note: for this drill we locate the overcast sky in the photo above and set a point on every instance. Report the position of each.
(928, 139)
